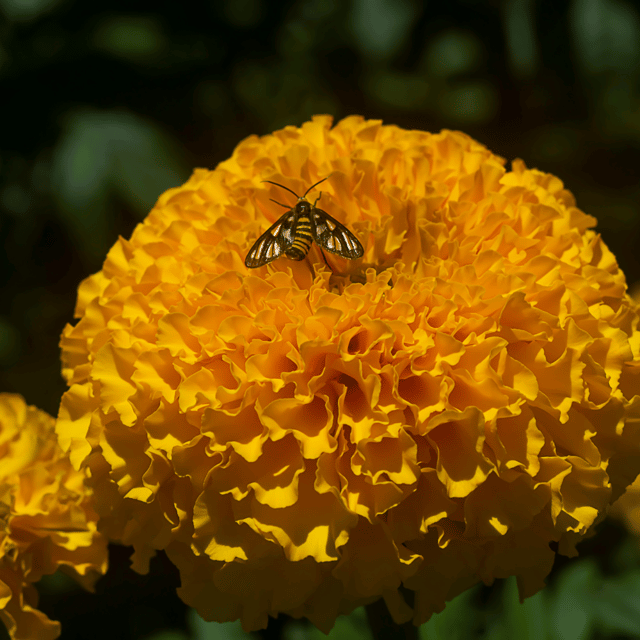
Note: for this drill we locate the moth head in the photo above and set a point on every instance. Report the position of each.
(303, 206)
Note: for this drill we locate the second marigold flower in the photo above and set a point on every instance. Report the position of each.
(46, 519)
(305, 438)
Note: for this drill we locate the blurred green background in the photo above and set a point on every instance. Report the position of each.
(106, 105)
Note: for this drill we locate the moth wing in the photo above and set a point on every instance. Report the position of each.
(273, 242)
(334, 236)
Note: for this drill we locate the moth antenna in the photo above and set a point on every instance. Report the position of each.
(314, 185)
(286, 206)
(283, 187)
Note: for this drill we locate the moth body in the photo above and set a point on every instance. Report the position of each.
(294, 232)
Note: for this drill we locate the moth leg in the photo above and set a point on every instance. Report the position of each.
(325, 260)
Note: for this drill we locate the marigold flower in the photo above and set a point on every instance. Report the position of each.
(434, 414)
(46, 521)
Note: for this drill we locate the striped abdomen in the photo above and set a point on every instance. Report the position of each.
(303, 239)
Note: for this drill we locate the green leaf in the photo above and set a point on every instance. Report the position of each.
(104, 154)
(525, 621)
(460, 620)
(203, 630)
(351, 627)
(354, 626)
(619, 605)
(573, 610)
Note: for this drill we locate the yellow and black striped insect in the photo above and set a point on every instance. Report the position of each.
(293, 233)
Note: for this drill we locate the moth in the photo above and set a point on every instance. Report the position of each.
(293, 233)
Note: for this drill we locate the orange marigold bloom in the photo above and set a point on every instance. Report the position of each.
(46, 517)
(434, 414)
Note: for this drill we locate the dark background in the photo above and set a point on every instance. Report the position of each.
(105, 105)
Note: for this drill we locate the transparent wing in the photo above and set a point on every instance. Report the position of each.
(273, 242)
(334, 236)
